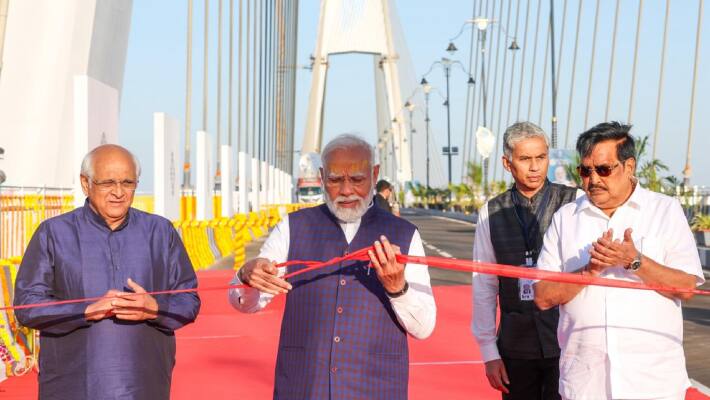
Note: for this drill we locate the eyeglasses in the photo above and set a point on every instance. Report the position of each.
(105, 186)
(601, 170)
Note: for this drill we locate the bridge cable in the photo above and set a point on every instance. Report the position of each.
(632, 91)
(247, 80)
(240, 77)
(188, 99)
(204, 65)
(479, 82)
(498, 134)
(534, 60)
(574, 71)
(485, 88)
(591, 66)
(522, 62)
(544, 74)
(512, 68)
(691, 121)
(470, 91)
(611, 63)
(217, 183)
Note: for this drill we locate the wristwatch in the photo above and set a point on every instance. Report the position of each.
(399, 293)
(635, 264)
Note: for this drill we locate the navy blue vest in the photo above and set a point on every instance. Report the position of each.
(340, 338)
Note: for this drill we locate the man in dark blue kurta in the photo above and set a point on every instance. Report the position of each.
(123, 346)
(344, 329)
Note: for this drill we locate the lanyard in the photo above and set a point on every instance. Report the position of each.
(526, 226)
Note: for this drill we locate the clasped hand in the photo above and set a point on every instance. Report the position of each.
(607, 252)
(134, 306)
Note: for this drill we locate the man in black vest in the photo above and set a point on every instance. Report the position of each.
(522, 360)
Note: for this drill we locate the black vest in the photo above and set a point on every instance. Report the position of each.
(525, 331)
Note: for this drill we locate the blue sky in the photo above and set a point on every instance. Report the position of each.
(155, 73)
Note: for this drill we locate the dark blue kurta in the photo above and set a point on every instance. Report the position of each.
(340, 338)
(76, 255)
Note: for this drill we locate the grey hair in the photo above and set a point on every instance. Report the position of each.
(87, 164)
(347, 141)
(521, 131)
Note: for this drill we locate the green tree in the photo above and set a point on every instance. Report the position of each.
(474, 174)
(649, 170)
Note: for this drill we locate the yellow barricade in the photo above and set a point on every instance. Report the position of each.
(19, 346)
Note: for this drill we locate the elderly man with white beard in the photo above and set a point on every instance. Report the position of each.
(344, 328)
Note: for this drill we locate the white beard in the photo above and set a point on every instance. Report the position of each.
(349, 214)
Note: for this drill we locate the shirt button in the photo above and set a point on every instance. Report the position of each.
(334, 369)
(336, 339)
(342, 282)
(340, 310)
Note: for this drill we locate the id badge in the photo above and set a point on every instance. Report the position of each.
(525, 286)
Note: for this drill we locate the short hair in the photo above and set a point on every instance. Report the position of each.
(616, 131)
(382, 185)
(347, 141)
(87, 164)
(520, 131)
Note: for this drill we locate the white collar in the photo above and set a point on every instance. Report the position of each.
(636, 200)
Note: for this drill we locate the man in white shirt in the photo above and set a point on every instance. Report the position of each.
(522, 359)
(344, 329)
(619, 343)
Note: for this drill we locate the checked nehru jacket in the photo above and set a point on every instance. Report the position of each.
(340, 338)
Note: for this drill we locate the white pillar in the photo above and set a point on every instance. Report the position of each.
(255, 185)
(166, 140)
(95, 123)
(227, 183)
(242, 180)
(203, 179)
(264, 182)
(271, 186)
(289, 188)
(47, 47)
(282, 187)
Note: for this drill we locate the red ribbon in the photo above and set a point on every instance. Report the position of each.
(508, 271)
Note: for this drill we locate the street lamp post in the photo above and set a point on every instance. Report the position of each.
(410, 107)
(427, 89)
(484, 92)
(447, 65)
(482, 25)
(447, 72)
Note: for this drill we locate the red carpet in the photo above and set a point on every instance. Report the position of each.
(227, 355)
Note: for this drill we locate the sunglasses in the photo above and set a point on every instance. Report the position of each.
(601, 170)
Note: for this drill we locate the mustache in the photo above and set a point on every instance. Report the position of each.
(353, 197)
(592, 187)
